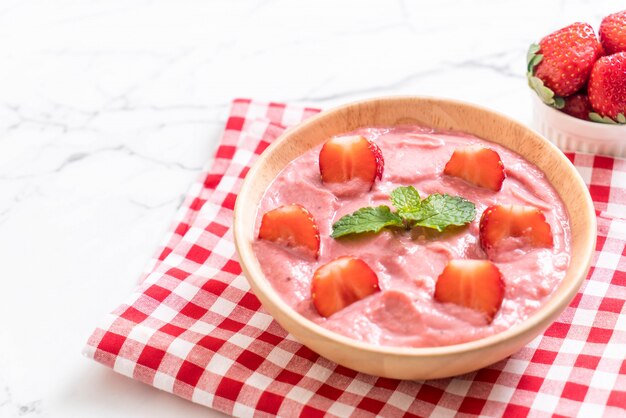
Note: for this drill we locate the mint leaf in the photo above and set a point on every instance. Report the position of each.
(366, 220)
(405, 199)
(439, 211)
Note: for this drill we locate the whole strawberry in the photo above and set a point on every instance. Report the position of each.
(607, 89)
(578, 105)
(560, 65)
(613, 33)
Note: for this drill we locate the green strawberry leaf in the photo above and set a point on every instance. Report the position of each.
(535, 62)
(559, 102)
(533, 58)
(405, 199)
(366, 220)
(438, 211)
(596, 117)
(545, 94)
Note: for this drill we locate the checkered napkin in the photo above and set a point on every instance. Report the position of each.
(193, 328)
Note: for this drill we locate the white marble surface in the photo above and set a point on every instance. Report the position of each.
(109, 109)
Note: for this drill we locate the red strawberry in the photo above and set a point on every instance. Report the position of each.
(344, 158)
(293, 226)
(563, 62)
(477, 165)
(475, 284)
(613, 33)
(578, 106)
(607, 88)
(502, 221)
(340, 283)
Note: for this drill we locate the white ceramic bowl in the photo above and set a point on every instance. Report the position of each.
(573, 134)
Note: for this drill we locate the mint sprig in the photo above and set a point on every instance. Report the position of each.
(406, 200)
(366, 219)
(437, 211)
(440, 211)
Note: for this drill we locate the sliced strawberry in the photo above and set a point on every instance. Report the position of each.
(293, 226)
(477, 165)
(344, 158)
(340, 283)
(475, 284)
(502, 221)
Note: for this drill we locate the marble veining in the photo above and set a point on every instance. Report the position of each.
(8, 406)
(109, 110)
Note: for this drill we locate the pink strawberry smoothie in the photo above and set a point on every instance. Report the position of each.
(408, 263)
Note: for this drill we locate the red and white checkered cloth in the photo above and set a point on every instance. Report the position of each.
(193, 328)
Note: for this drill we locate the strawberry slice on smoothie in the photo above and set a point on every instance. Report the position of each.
(346, 158)
(477, 165)
(292, 226)
(475, 284)
(501, 222)
(340, 283)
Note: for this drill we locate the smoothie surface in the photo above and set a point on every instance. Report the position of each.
(408, 263)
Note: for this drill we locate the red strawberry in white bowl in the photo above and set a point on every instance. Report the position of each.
(607, 89)
(613, 33)
(583, 77)
(578, 106)
(562, 61)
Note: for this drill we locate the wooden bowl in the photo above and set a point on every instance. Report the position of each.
(403, 362)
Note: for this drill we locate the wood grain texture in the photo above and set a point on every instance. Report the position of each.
(417, 363)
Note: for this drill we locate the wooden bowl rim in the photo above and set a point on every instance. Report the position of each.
(554, 304)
